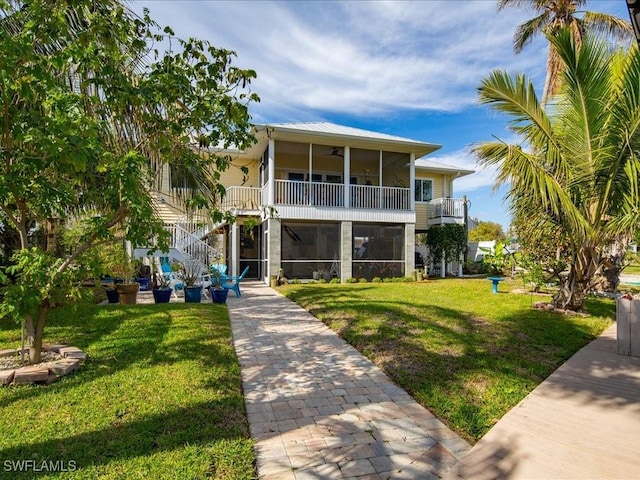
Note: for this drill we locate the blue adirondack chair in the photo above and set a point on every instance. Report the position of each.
(233, 283)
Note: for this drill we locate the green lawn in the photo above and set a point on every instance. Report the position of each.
(633, 269)
(466, 354)
(160, 397)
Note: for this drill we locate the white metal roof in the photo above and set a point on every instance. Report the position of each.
(342, 130)
(430, 165)
(353, 136)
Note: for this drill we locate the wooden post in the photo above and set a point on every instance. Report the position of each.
(628, 326)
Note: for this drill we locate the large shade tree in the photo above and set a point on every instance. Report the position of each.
(554, 15)
(580, 165)
(92, 114)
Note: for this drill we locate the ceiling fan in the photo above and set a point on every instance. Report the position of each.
(335, 152)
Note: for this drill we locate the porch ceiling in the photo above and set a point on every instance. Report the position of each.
(338, 136)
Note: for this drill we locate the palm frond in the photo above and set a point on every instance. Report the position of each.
(586, 83)
(517, 97)
(610, 25)
(527, 31)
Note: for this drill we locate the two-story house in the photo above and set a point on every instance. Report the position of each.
(326, 200)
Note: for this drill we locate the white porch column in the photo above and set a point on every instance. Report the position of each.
(346, 254)
(272, 172)
(274, 255)
(412, 182)
(380, 181)
(235, 248)
(410, 247)
(347, 177)
(443, 268)
(310, 162)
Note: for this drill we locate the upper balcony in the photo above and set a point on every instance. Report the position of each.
(318, 194)
(298, 199)
(445, 210)
(243, 200)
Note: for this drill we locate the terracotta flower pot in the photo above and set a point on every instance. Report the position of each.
(128, 293)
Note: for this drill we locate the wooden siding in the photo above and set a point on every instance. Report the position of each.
(233, 176)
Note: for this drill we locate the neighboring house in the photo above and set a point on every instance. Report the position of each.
(325, 200)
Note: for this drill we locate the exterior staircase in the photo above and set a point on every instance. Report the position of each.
(187, 236)
(187, 247)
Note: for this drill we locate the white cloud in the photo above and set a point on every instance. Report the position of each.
(357, 58)
(482, 178)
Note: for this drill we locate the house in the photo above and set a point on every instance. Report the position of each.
(322, 200)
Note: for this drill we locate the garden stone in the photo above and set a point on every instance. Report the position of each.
(53, 348)
(64, 366)
(6, 376)
(26, 375)
(73, 352)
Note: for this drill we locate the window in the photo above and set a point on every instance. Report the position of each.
(424, 190)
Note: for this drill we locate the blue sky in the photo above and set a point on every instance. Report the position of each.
(403, 68)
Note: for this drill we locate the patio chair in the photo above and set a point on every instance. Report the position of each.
(233, 283)
(174, 281)
(219, 267)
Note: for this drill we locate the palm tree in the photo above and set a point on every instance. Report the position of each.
(553, 15)
(580, 167)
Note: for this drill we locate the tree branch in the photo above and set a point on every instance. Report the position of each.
(89, 243)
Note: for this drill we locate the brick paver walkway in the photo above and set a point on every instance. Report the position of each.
(319, 410)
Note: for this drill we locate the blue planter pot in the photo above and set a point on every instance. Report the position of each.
(192, 294)
(144, 283)
(112, 295)
(162, 295)
(220, 295)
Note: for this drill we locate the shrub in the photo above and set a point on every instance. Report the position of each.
(362, 280)
(376, 280)
(351, 280)
(335, 280)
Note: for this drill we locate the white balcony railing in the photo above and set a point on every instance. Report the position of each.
(386, 198)
(242, 198)
(445, 207)
(332, 195)
(319, 194)
(309, 193)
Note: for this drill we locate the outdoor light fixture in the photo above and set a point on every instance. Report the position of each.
(634, 13)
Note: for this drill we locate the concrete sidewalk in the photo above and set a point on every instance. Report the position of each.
(320, 410)
(582, 422)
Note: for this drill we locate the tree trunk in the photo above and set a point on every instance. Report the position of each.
(572, 293)
(608, 278)
(35, 334)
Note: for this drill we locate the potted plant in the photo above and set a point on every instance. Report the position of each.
(218, 293)
(162, 291)
(128, 289)
(123, 269)
(190, 275)
(110, 290)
